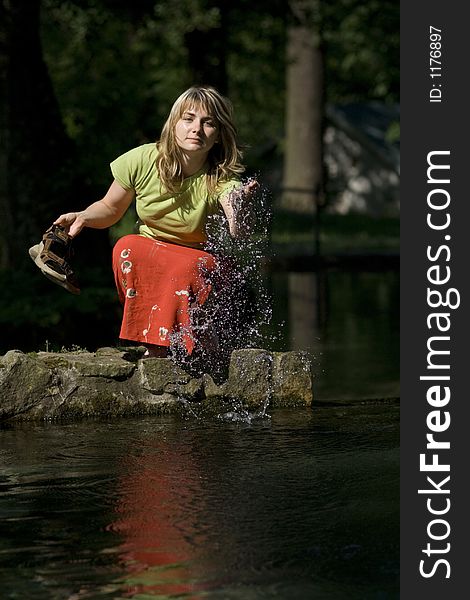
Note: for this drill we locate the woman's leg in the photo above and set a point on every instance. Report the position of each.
(138, 276)
(154, 351)
(156, 283)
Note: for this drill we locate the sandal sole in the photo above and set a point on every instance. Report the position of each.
(65, 284)
(35, 254)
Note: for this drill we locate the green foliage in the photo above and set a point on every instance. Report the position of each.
(393, 133)
(34, 311)
(117, 67)
(362, 41)
(116, 78)
(113, 78)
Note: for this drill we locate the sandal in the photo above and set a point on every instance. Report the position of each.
(52, 254)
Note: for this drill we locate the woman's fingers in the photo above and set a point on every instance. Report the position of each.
(72, 222)
(66, 219)
(251, 186)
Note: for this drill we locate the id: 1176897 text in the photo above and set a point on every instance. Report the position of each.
(435, 64)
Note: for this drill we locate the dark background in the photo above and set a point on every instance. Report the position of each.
(83, 81)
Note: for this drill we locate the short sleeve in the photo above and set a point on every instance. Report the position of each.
(127, 168)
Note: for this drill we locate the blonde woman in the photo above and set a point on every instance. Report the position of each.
(192, 172)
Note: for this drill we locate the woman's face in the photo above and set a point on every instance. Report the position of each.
(196, 131)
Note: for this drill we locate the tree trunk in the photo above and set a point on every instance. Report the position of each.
(5, 208)
(303, 157)
(36, 156)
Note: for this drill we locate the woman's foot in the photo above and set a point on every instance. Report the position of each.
(154, 351)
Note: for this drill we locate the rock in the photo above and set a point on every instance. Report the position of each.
(75, 397)
(117, 383)
(211, 389)
(109, 351)
(132, 353)
(24, 382)
(156, 373)
(249, 376)
(193, 390)
(89, 364)
(100, 399)
(292, 379)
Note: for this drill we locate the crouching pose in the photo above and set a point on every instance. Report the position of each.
(191, 173)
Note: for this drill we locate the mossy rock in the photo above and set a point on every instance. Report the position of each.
(24, 382)
(292, 379)
(87, 364)
(157, 373)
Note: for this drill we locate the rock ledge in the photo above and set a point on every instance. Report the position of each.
(114, 382)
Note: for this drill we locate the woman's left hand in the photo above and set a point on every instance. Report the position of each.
(236, 208)
(250, 187)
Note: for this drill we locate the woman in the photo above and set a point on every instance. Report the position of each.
(191, 173)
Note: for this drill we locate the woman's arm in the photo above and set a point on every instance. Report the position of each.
(101, 214)
(235, 207)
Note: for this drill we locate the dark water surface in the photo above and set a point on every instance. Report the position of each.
(349, 321)
(298, 505)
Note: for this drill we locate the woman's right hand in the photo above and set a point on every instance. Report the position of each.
(73, 222)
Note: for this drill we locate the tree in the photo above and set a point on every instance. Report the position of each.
(6, 226)
(37, 166)
(337, 52)
(303, 152)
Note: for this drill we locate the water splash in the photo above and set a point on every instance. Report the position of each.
(238, 413)
(233, 412)
(239, 308)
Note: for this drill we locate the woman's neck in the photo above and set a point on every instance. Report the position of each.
(192, 164)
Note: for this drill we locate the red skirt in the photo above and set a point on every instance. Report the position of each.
(157, 283)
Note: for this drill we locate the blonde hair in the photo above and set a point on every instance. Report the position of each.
(224, 157)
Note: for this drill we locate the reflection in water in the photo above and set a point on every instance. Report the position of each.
(307, 309)
(303, 313)
(349, 322)
(155, 515)
(302, 505)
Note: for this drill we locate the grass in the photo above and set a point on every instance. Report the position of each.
(353, 233)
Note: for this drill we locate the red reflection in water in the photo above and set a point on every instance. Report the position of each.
(160, 503)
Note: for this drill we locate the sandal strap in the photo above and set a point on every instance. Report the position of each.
(57, 247)
(56, 233)
(56, 263)
(56, 250)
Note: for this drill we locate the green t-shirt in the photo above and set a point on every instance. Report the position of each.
(174, 217)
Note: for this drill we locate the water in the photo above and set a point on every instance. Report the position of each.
(348, 321)
(295, 505)
(239, 306)
(247, 506)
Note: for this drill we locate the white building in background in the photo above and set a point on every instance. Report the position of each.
(361, 159)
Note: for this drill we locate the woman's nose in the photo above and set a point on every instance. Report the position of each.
(197, 125)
